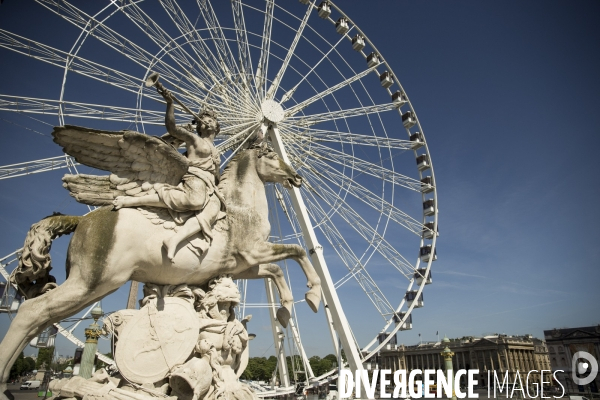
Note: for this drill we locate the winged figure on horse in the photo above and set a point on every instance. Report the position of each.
(164, 218)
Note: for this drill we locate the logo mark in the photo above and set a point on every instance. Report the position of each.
(580, 367)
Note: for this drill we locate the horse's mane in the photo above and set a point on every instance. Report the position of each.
(226, 176)
(229, 170)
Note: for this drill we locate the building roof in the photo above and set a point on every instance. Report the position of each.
(572, 333)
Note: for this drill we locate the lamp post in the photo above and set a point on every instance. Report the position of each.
(92, 333)
(447, 354)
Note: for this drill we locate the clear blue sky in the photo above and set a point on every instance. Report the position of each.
(507, 93)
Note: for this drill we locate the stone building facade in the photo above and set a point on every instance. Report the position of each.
(563, 344)
(498, 353)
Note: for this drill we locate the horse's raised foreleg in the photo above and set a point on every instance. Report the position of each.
(38, 313)
(274, 272)
(268, 252)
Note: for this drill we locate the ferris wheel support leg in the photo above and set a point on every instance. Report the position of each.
(307, 368)
(340, 322)
(331, 326)
(278, 336)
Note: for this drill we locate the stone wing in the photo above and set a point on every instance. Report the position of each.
(137, 163)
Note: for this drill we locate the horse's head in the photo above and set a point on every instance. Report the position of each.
(271, 168)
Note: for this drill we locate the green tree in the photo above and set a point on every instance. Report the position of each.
(22, 366)
(30, 364)
(296, 368)
(260, 368)
(45, 356)
(19, 367)
(331, 357)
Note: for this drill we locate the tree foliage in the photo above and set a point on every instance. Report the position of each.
(321, 365)
(261, 368)
(45, 356)
(22, 366)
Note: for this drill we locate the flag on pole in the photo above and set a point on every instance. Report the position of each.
(437, 332)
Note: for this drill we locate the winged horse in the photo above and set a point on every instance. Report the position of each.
(109, 248)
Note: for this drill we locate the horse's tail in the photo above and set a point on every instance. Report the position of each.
(33, 273)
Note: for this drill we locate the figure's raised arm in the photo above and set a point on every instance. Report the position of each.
(174, 130)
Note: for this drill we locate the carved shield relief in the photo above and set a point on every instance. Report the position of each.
(156, 340)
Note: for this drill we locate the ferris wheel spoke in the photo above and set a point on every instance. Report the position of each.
(231, 93)
(323, 135)
(36, 166)
(238, 142)
(227, 99)
(301, 106)
(288, 95)
(81, 110)
(320, 151)
(234, 130)
(249, 91)
(77, 64)
(159, 36)
(291, 50)
(217, 35)
(204, 75)
(361, 193)
(118, 42)
(362, 227)
(187, 29)
(224, 105)
(263, 61)
(238, 104)
(314, 119)
(356, 268)
(242, 40)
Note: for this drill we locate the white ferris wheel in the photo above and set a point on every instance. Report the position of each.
(306, 76)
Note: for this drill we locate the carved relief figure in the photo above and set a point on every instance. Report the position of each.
(223, 342)
(184, 342)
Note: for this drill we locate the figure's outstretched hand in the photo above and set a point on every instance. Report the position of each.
(166, 94)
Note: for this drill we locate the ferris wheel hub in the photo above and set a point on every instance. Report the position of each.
(272, 111)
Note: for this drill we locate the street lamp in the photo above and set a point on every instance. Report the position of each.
(447, 354)
(92, 333)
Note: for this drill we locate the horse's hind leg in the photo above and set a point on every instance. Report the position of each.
(38, 313)
(274, 272)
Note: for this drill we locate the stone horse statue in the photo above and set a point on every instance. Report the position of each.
(109, 248)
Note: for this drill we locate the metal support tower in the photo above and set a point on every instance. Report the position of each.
(340, 321)
(278, 336)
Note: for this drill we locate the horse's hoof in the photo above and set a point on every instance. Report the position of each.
(313, 300)
(283, 316)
